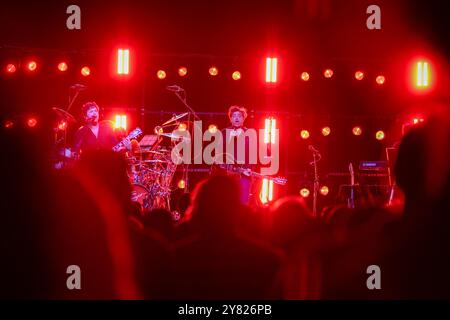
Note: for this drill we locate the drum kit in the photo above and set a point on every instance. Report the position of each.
(151, 174)
(151, 171)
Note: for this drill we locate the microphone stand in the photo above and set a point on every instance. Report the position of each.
(64, 137)
(316, 184)
(191, 113)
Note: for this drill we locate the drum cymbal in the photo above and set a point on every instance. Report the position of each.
(175, 118)
(174, 136)
(64, 114)
(154, 161)
(149, 151)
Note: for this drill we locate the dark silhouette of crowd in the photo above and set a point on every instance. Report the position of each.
(220, 249)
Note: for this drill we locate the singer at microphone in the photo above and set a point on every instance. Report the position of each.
(94, 134)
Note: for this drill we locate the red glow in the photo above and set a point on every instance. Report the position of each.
(328, 73)
(120, 121)
(324, 190)
(62, 125)
(62, 66)
(85, 71)
(271, 69)
(304, 192)
(266, 192)
(304, 134)
(357, 131)
(418, 120)
(161, 74)
(380, 79)
(181, 184)
(212, 128)
(10, 68)
(380, 135)
(182, 71)
(213, 71)
(359, 75)
(236, 75)
(305, 76)
(326, 131)
(123, 61)
(32, 65)
(421, 74)
(8, 124)
(31, 122)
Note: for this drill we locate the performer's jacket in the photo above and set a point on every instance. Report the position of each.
(233, 135)
(85, 139)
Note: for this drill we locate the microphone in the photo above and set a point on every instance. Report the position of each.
(312, 149)
(174, 88)
(78, 86)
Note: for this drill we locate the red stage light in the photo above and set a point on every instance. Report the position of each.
(304, 192)
(213, 71)
(182, 126)
(423, 74)
(417, 120)
(236, 75)
(120, 121)
(324, 190)
(62, 66)
(181, 184)
(379, 135)
(212, 128)
(182, 71)
(62, 125)
(305, 76)
(380, 79)
(31, 122)
(85, 71)
(161, 74)
(123, 61)
(359, 75)
(270, 130)
(10, 68)
(8, 124)
(32, 66)
(304, 134)
(357, 131)
(266, 193)
(326, 131)
(271, 69)
(328, 73)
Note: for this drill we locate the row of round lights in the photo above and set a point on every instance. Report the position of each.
(326, 131)
(305, 192)
(213, 71)
(182, 72)
(359, 75)
(30, 122)
(33, 66)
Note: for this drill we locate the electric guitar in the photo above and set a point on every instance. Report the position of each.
(132, 135)
(351, 200)
(249, 173)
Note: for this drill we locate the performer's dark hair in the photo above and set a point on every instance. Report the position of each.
(87, 106)
(235, 108)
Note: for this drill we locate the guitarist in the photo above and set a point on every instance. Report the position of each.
(95, 134)
(237, 116)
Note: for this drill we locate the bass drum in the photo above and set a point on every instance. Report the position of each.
(140, 194)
